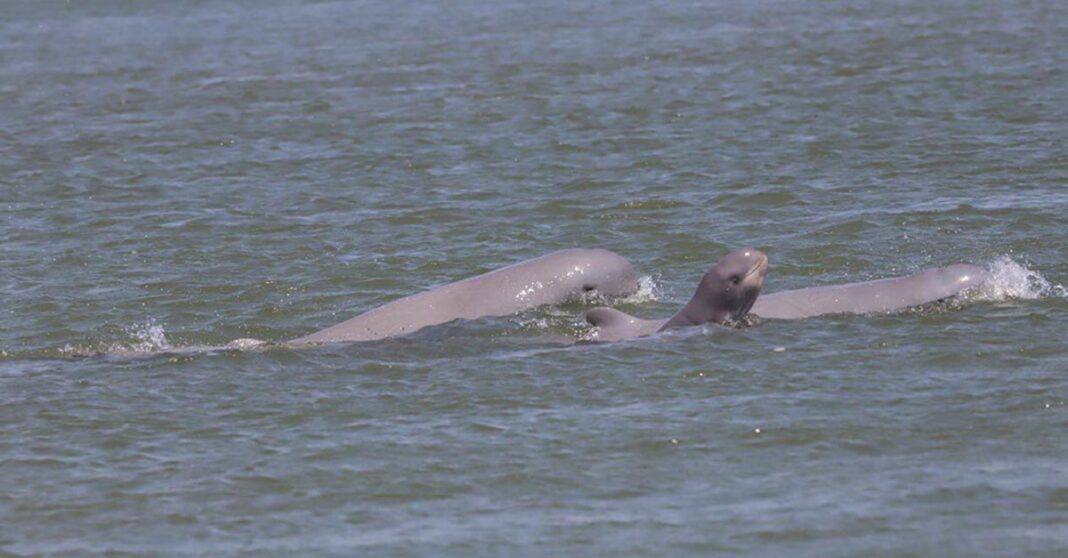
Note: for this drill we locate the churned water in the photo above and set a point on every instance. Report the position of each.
(182, 174)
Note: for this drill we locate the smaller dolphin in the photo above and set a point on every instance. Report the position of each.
(726, 292)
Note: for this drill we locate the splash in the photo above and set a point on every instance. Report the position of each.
(648, 291)
(1009, 279)
(148, 337)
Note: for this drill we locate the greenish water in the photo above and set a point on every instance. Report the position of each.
(174, 176)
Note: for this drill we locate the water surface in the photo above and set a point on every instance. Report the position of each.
(174, 176)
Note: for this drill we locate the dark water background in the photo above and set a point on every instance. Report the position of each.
(178, 175)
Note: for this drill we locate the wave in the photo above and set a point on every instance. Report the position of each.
(1010, 279)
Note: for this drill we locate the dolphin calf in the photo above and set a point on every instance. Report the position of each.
(546, 280)
(883, 295)
(726, 292)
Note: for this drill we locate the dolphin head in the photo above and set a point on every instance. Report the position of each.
(608, 274)
(727, 292)
(731, 287)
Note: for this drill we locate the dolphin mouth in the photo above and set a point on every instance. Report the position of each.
(748, 306)
(759, 267)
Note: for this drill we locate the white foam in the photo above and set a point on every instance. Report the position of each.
(245, 343)
(534, 322)
(1010, 279)
(648, 291)
(148, 337)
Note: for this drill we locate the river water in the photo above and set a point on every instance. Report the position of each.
(181, 175)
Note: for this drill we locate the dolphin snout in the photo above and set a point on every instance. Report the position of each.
(760, 262)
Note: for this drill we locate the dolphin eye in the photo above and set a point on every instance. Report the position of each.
(735, 279)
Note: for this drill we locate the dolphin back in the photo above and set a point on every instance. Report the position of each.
(613, 325)
(549, 279)
(883, 295)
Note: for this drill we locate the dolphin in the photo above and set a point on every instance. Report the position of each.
(725, 293)
(548, 279)
(872, 297)
(868, 297)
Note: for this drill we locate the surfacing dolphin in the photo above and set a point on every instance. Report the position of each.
(726, 292)
(869, 297)
(872, 297)
(549, 279)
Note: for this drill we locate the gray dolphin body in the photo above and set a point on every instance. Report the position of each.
(726, 292)
(870, 297)
(546, 280)
(883, 295)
